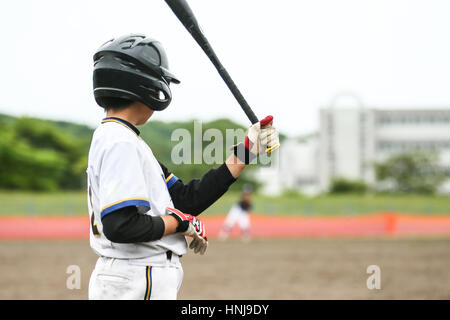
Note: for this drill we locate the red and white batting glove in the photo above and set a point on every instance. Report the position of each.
(261, 137)
(192, 227)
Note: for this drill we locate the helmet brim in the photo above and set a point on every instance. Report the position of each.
(169, 76)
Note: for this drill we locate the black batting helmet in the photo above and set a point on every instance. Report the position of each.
(133, 67)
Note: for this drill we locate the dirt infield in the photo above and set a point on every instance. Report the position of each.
(261, 269)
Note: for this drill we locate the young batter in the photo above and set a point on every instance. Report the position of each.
(136, 231)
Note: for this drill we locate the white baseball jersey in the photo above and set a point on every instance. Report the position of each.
(239, 216)
(122, 171)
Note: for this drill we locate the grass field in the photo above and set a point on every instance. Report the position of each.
(75, 203)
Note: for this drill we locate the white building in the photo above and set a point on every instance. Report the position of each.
(294, 167)
(351, 140)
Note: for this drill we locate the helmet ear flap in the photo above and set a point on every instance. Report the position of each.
(160, 96)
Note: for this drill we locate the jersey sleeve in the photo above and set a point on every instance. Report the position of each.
(170, 178)
(121, 179)
(198, 194)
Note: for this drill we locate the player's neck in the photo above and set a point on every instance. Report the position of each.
(136, 114)
(122, 114)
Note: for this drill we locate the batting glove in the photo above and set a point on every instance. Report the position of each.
(192, 227)
(261, 137)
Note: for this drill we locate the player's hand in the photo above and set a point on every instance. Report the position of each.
(261, 137)
(192, 227)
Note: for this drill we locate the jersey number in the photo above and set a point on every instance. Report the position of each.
(93, 225)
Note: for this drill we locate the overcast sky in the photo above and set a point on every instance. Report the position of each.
(289, 58)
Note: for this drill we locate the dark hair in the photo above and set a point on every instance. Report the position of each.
(109, 103)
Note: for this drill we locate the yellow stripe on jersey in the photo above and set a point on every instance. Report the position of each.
(148, 291)
(110, 205)
(169, 177)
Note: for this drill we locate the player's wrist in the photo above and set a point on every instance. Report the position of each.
(181, 218)
(170, 224)
(243, 154)
(234, 168)
(181, 226)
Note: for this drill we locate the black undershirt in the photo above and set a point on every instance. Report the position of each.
(199, 194)
(126, 225)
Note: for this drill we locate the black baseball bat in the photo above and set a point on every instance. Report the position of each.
(187, 18)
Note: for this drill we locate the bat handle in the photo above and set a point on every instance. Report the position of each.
(236, 93)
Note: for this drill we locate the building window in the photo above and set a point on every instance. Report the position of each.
(404, 146)
(418, 118)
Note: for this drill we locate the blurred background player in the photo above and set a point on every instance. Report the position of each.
(239, 214)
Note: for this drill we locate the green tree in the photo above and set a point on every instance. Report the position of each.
(42, 154)
(26, 167)
(45, 135)
(342, 185)
(414, 172)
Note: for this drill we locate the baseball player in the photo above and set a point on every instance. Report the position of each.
(140, 212)
(239, 214)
